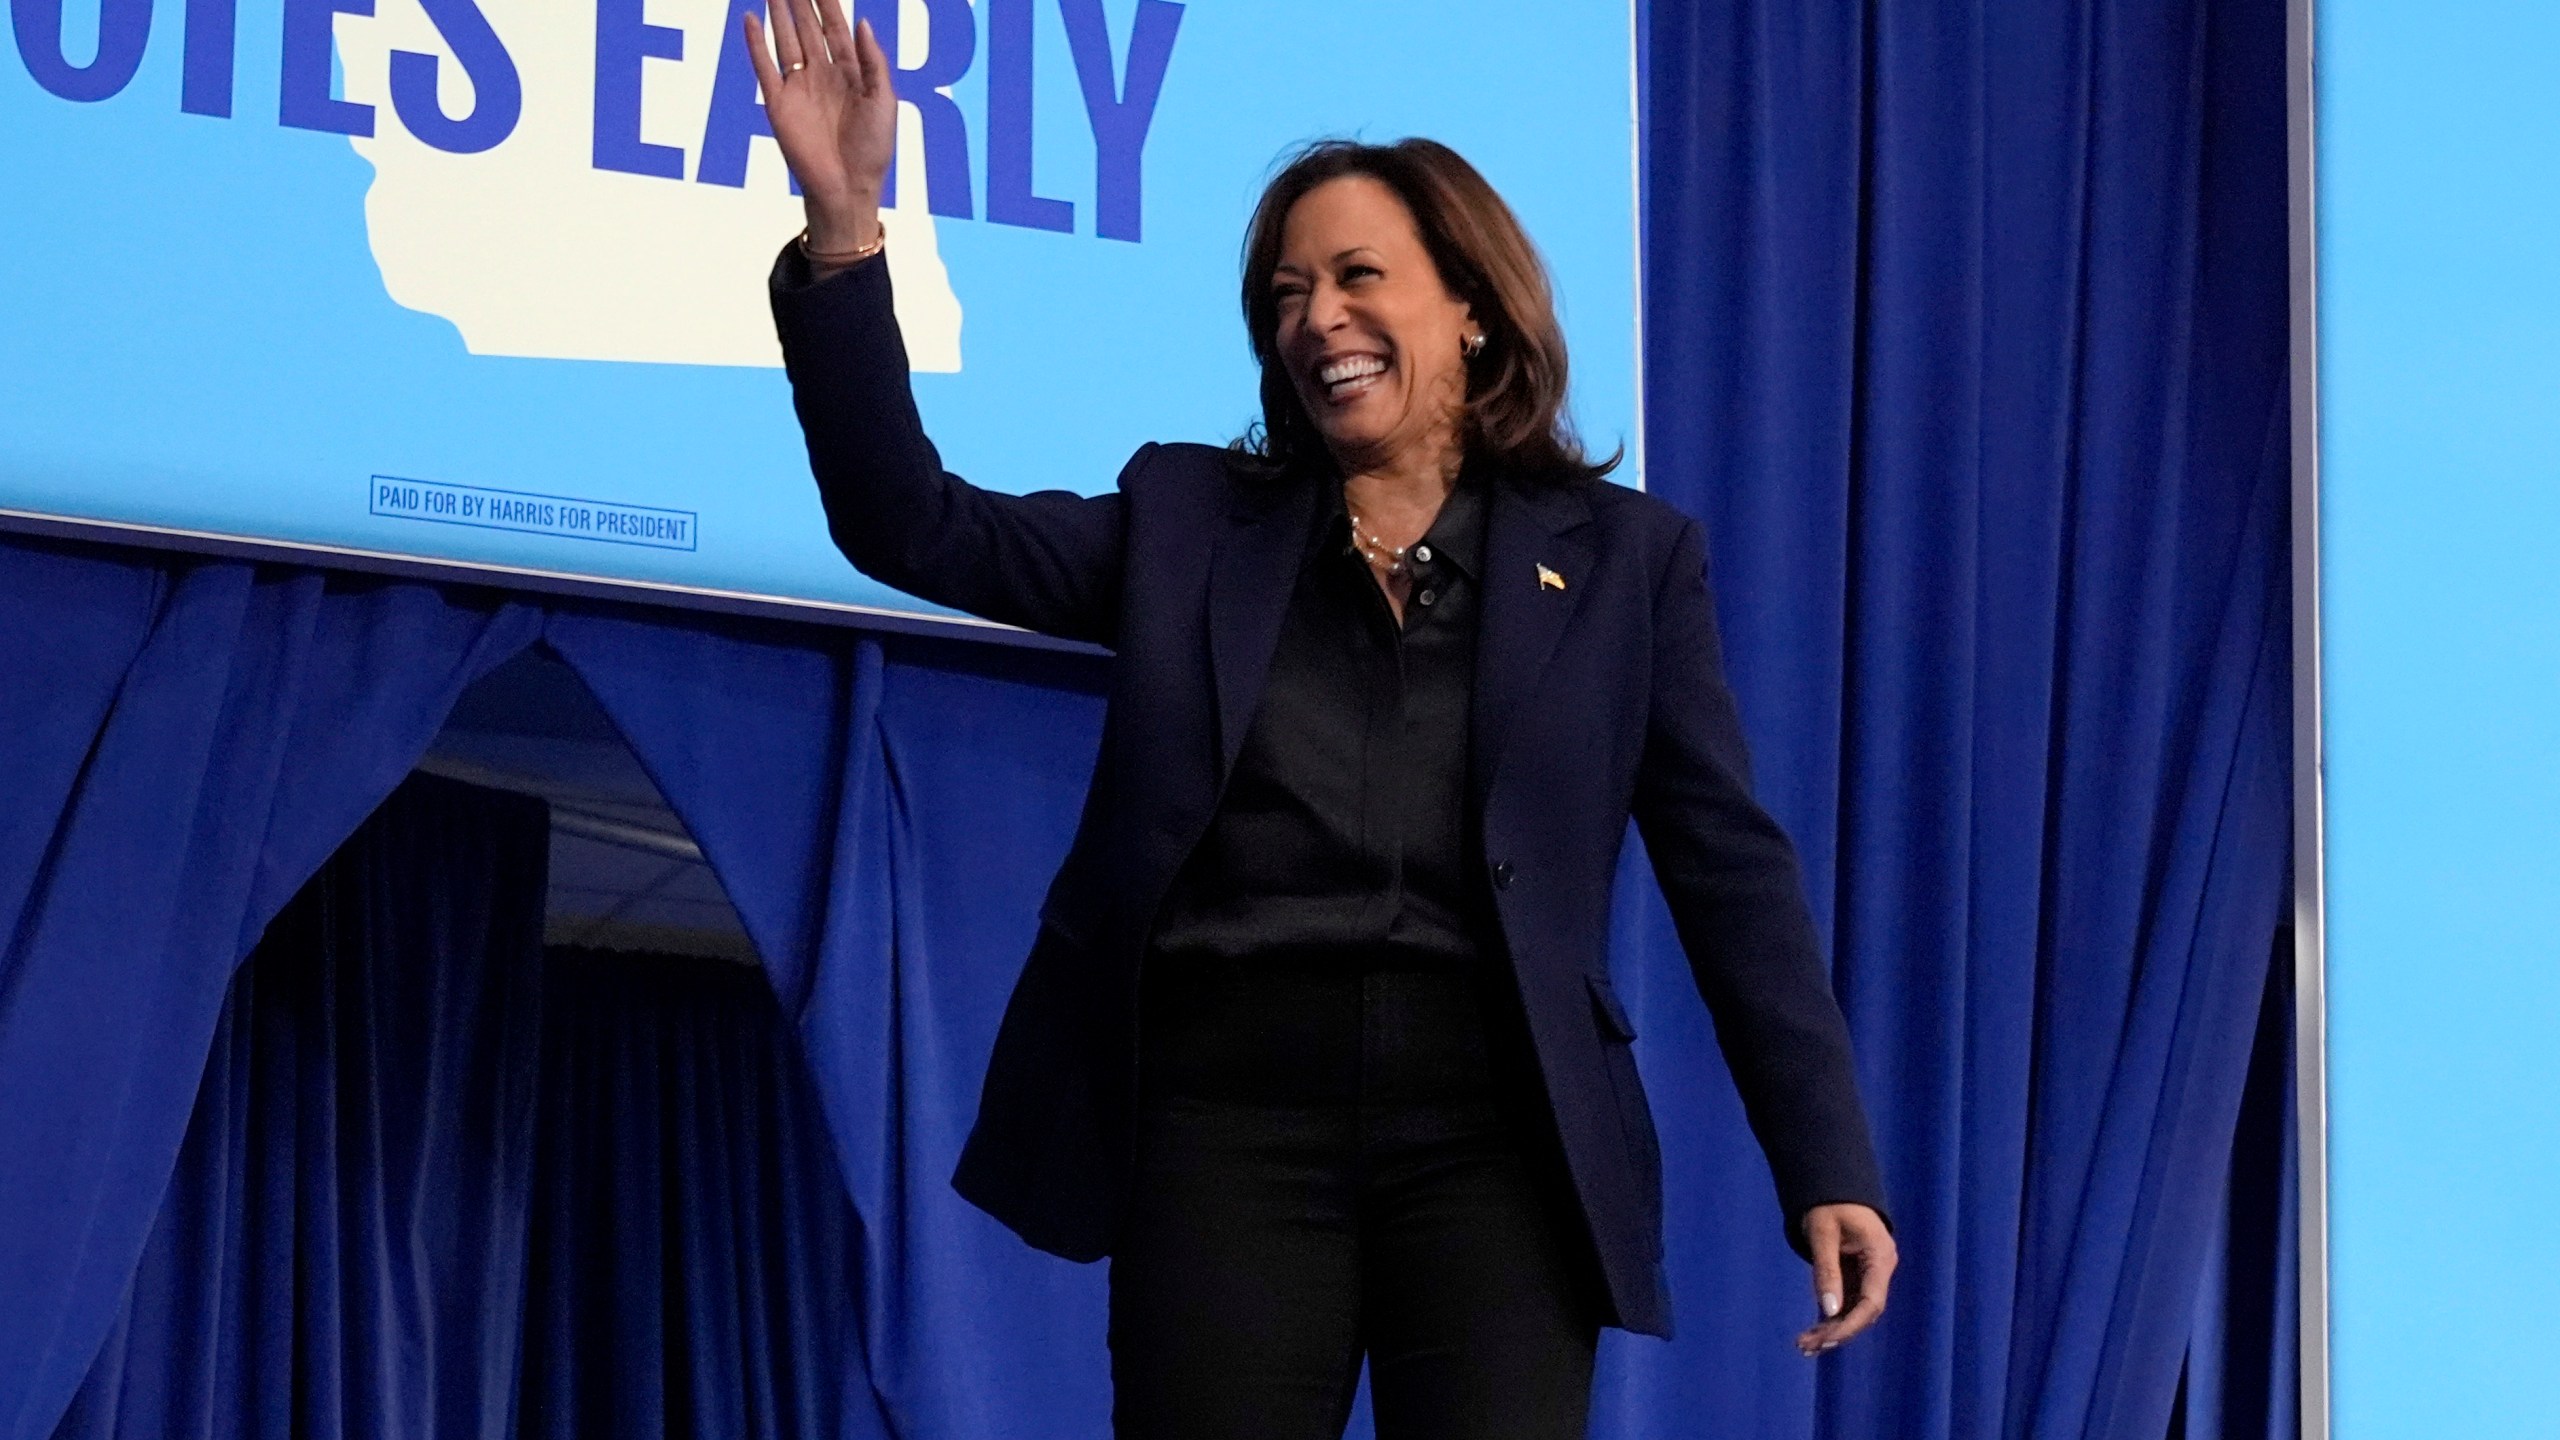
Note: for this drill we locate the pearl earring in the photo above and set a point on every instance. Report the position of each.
(1474, 345)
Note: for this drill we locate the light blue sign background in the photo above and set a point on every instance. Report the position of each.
(194, 332)
(2440, 327)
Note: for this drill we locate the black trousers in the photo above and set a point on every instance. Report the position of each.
(1338, 1161)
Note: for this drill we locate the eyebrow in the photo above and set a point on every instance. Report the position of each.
(1285, 268)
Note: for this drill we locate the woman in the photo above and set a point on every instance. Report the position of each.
(1317, 1041)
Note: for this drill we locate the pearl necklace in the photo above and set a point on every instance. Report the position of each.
(1388, 558)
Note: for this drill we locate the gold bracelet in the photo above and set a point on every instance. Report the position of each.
(879, 242)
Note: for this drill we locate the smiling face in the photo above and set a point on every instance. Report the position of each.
(1373, 341)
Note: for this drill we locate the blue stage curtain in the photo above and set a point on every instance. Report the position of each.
(342, 1247)
(2243, 1364)
(694, 1268)
(885, 814)
(181, 745)
(1966, 335)
(441, 1183)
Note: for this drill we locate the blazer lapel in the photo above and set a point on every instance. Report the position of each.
(1252, 573)
(1537, 564)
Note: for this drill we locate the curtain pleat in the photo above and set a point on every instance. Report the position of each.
(182, 743)
(1967, 338)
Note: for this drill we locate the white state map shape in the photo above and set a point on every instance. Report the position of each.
(529, 250)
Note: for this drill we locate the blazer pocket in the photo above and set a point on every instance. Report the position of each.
(1606, 1009)
(1635, 1115)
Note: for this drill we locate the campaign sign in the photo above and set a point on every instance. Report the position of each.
(483, 281)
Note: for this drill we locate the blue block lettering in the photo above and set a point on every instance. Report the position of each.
(1120, 113)
(310, 41)
(212, 40)
(123, 28)
(497, 95)
(1009, 117)
(951, 42)
(625, 40)
(737, 116)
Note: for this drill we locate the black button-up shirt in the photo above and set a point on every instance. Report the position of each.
(1345, 822)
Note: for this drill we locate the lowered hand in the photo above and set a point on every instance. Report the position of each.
(1853, 1260)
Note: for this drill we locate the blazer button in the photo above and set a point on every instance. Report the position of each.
(1502, 875)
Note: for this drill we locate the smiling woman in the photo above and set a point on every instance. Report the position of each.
(1317, 1041)
(1451, 239)
(1403, 324)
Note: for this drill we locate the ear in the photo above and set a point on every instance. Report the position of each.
(1472, 335)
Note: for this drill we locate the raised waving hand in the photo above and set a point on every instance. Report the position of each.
(827, 93)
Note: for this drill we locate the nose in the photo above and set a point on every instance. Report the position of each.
(1326, 310)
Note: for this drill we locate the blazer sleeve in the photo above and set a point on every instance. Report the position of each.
(1737, 899)
(1048, 561)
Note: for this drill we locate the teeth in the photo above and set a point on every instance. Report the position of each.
(1353, 368)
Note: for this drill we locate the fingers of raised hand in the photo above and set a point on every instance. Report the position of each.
(821, 48)
(808, 48)
(768, 78)
(872, 60)
(786, 35)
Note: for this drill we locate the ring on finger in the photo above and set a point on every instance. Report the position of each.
(798, 65)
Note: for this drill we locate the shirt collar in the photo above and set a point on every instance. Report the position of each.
(1456, 534)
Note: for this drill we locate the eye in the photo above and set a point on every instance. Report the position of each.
(1359, 271)
(1288, 292)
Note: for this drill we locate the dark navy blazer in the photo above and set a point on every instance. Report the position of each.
(1599, 695)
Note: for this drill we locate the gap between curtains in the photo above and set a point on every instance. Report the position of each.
(343, 1248)
(441, 1182)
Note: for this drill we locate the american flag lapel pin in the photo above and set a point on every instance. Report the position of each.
(1549, 580)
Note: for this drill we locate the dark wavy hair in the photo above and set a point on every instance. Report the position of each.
(1515, 388)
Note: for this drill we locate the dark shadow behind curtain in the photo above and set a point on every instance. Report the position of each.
(2243, 1363)
(439, 1185)
(342, 1247)
(694, 1265)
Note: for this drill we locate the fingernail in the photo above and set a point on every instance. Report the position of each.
(1830, 1304)
(1830, 1344)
